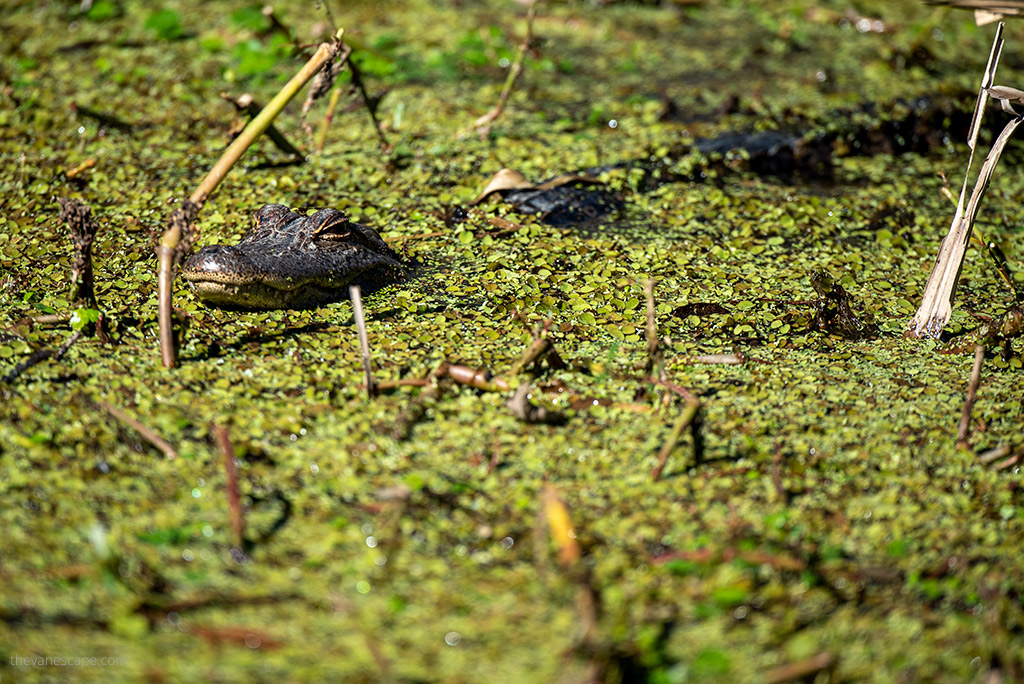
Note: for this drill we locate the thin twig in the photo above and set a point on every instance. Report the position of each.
(83, 228)
(356, 295)
(798, 671)
(972, 395)
(220, 433)
(332, 105)
(371, 106)
(482, 125)
(49, 319)
(245, 104)
(540, 350)
(654, 359)
(999, 452)
(40, 356)
(147, 433)
(690, 416)
(1012, 461)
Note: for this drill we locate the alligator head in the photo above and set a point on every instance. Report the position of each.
(289, 261)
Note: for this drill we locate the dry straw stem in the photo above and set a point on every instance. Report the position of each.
(171, 238)
(985, 11)
(332, 105)
(937, 301)
(560, 525)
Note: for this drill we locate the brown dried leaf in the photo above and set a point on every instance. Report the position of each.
(506, 179)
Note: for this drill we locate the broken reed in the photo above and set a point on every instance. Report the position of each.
(937, 300)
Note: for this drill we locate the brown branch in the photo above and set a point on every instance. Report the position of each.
(972, 396)
(481, 380)
(689, 417)
(39, 357)
(145, 431)
(800, 670)
(83, 230)
(482, 125)
(654, 358)
(220, 433)
(245, 104)
(173, 246)
(541, 349)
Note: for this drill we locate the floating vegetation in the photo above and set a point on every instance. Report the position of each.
(717, 469)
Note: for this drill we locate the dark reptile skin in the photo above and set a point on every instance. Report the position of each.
(289, 261)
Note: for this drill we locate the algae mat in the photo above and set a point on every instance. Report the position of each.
(831, 524)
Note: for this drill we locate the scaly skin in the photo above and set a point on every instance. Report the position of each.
(288, 261)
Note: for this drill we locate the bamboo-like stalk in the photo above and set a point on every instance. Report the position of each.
(171, 238)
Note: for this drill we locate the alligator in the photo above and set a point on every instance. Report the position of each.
(286, 260)
(916, 125)
(289, 261)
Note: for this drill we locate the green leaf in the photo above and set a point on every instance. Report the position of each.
(80, 318)
(166, 24)
(102, 10)
(250, 18)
